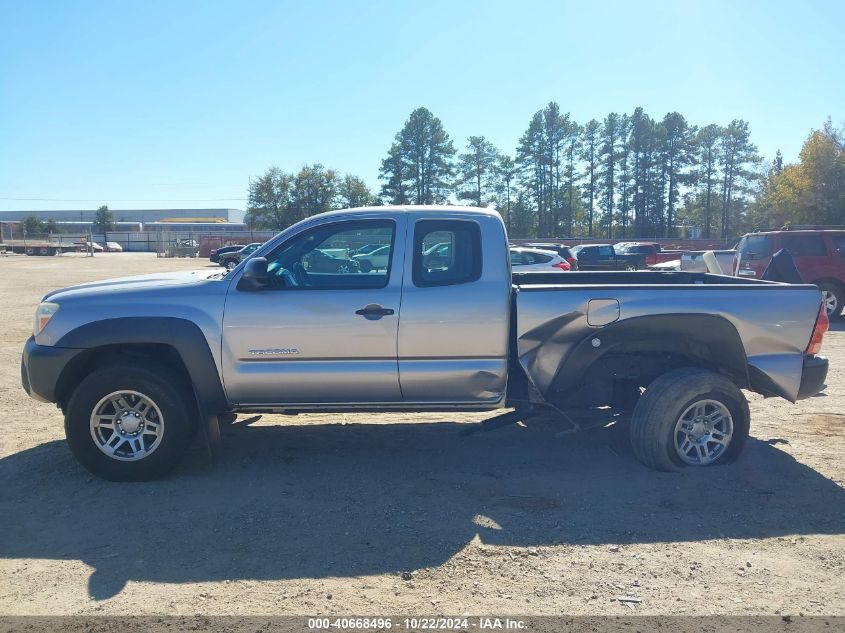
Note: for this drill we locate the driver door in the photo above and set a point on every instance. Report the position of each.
(318, 337)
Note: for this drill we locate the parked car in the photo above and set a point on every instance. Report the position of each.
(319, 261)
(561, 249)
(216, 253)
(113, 247)
(819, 255)
(604, 257)
(374, 260)
(654, 253)
(231, 259)
(525, 259)
(136, 364)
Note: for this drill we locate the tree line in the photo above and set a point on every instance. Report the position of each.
(628, 175)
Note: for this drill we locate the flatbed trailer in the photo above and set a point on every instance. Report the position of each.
(38, 247)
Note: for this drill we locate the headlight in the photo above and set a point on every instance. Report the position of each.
(43, 315)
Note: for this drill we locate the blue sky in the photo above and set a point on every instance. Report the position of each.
(176, 104)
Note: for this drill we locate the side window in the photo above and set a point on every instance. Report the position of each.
(588, 252)
(606, 251)
(539, 258)
(446, 252)
(516, 259)
(804, 245)
(326, 257)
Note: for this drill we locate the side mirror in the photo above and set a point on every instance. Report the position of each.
(255, 276)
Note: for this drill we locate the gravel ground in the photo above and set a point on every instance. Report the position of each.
(398, 514)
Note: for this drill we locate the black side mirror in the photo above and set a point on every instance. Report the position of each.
(255, 275)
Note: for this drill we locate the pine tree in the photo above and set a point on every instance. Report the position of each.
(591, 157)
(707, 142)
(477, 171)
(418, 167)
(736, 156)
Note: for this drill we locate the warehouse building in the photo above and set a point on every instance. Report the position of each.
(141, 216)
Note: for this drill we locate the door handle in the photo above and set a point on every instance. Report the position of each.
(374, 311)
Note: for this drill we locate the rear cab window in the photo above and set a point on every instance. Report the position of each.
(446, 252)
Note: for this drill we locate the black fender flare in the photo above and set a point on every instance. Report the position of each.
(710, 339)
(182, 335)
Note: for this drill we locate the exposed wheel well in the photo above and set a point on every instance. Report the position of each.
(635, 352)
(97, 357)
(831, 281)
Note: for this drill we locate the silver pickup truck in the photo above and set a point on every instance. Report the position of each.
(137, 365)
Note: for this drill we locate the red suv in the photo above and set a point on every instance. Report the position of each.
(818, 254)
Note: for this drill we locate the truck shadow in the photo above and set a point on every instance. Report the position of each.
(320, 500)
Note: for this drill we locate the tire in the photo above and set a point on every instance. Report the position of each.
(229, 264)
(163, 431)
(833, 298)
(630, 267)
(670, 404)
(365, 265)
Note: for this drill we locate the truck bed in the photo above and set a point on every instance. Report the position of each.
(574, 320)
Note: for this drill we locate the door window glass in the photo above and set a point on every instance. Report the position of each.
(446, 252)
(327, 257)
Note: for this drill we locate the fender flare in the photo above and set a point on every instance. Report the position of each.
(182, 335)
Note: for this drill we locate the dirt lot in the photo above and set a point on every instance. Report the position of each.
(323, 514)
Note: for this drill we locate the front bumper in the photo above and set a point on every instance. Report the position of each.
(42, 368)
(813, 376)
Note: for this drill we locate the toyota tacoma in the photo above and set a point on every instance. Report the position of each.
(137, 365)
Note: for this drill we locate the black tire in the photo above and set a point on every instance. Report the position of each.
(834, 292)
(366, 265)
(664, 402)
(169, 394)
(229, 264)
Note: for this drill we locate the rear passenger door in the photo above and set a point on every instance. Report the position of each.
(453, 333)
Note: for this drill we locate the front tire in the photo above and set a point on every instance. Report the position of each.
(689, 417)
(129, 422)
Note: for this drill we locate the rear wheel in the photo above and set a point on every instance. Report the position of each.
(630, 267)
(689, 417)
(129, 423)
(230, 264)
(365, 265)
(832, 297)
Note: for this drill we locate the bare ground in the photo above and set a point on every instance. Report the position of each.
(323, 514)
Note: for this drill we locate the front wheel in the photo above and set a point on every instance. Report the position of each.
(230, 264)
(689, 417)
(129, 423)
(630, 267)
